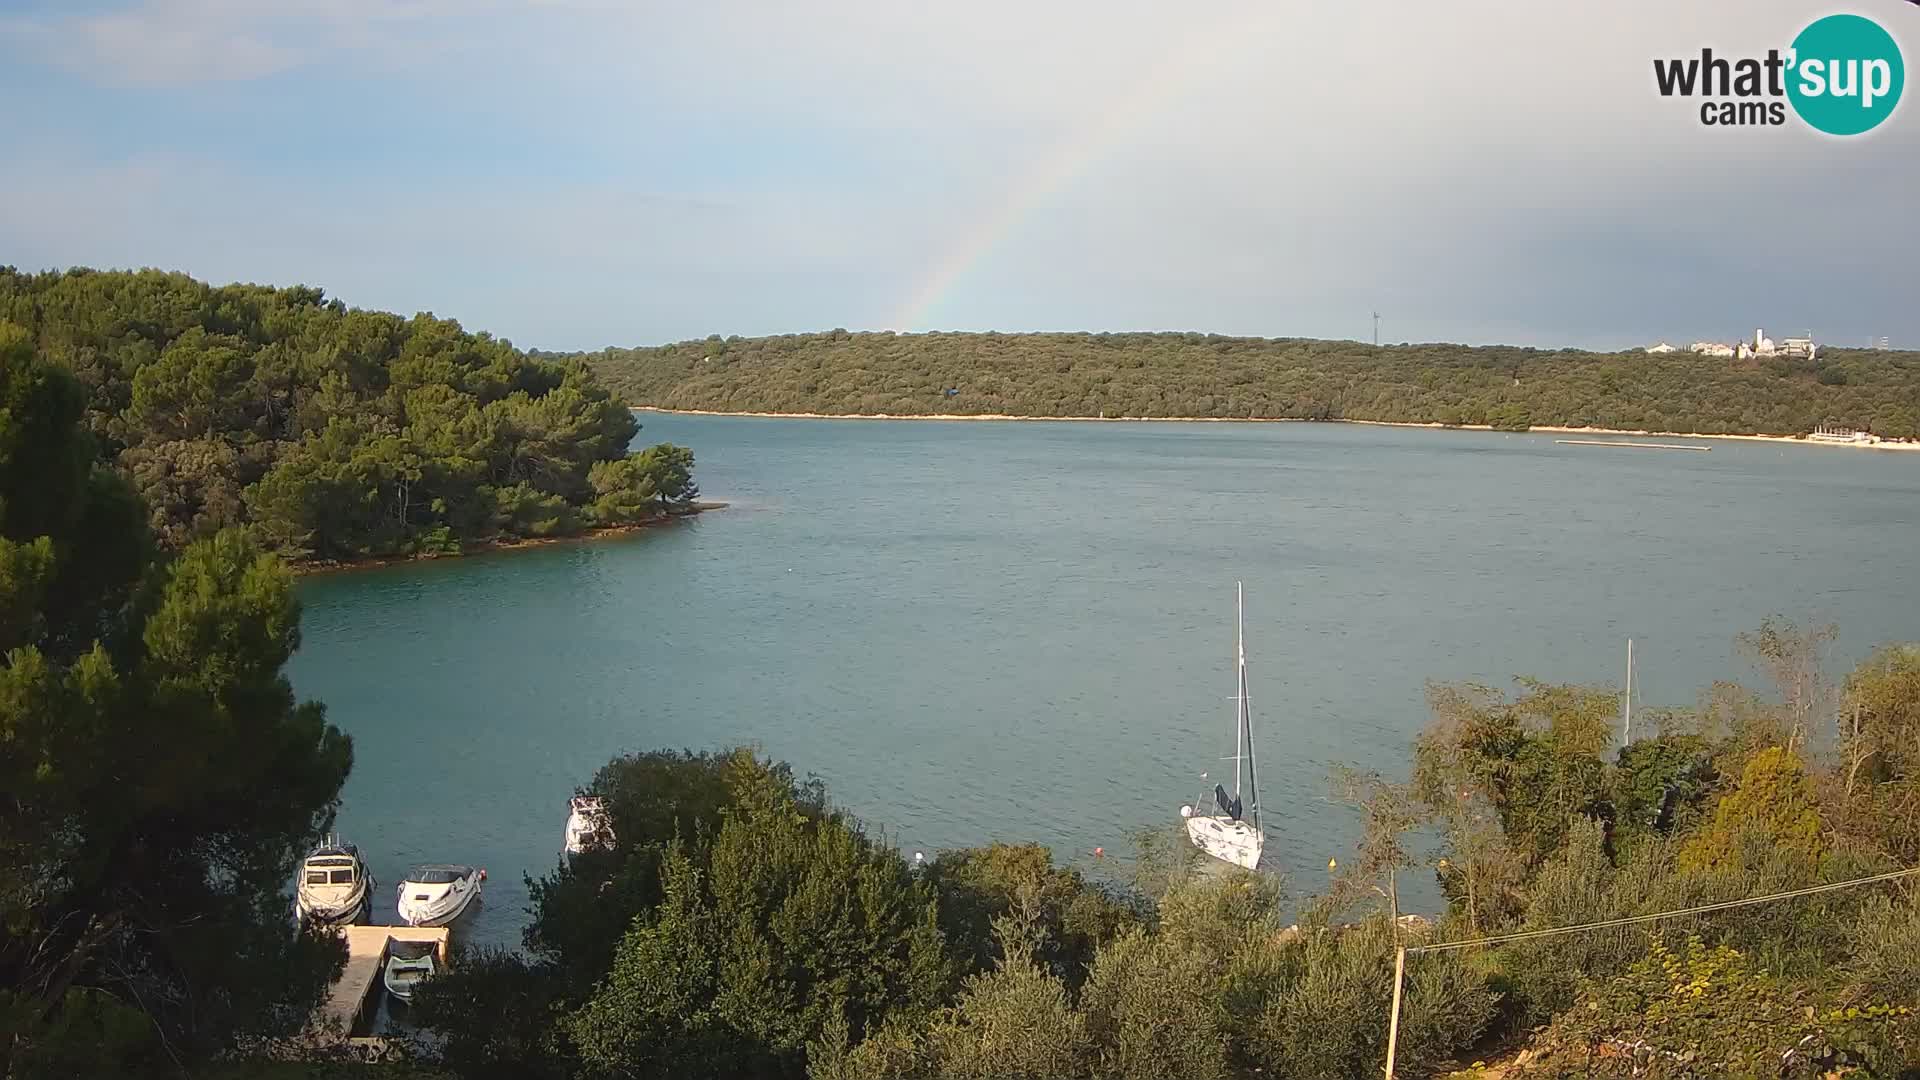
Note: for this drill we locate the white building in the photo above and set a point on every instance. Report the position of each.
(1711, 348)
(1663, 347)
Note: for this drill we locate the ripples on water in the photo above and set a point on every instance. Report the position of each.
(1023, 631)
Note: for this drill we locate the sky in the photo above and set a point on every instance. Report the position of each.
(574, 174)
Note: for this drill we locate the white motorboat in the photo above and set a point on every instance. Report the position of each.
(409, 963)
(335, 887)
(436, 894)
(1231, 832)
(589, 826)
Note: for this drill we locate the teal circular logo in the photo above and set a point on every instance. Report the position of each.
(1846, 76)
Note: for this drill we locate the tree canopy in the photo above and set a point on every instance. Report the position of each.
(1208, 375)
(744, 927)
(336, 433)
(159, 777)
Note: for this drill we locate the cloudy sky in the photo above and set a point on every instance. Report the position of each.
(579, 173)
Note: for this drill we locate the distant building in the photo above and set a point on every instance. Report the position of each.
(1663, 347)
(1831, 434)
(1760, 345)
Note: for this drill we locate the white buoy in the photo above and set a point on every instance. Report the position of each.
(1186, 811)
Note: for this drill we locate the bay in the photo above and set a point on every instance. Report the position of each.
(1023, 631)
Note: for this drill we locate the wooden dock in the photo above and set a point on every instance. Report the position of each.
(1623, 442)
(349, 1007)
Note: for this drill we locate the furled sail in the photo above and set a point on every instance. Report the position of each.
(1228, 806)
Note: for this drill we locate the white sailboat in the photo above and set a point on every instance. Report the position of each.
(1231, 832)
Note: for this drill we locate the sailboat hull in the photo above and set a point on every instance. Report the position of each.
(1225, 839)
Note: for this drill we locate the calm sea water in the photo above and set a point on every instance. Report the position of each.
(1023, 631)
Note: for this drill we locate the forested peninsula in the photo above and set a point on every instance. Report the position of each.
(1207, 375)
(336, 434)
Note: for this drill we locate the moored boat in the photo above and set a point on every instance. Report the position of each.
(335, 887)
(1231, 833)
(409, 963)
(589, 826)
(435, 894)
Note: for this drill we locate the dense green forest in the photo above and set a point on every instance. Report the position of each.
(158, 777)
(746, 927)
(1206, 375)
(336, 433)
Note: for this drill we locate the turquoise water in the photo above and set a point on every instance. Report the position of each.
(1023, 631)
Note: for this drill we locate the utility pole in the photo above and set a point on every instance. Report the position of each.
(1393, 1024)
(1376, 329)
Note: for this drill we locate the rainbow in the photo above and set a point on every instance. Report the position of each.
(1075, 155)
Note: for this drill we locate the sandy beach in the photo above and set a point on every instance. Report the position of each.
(1791, 440)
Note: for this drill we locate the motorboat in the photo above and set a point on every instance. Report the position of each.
(589, 827)
(335, 887)
(409, 963)
(436, 893)
(1231, 830)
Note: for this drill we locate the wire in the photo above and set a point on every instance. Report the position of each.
(1523, 935)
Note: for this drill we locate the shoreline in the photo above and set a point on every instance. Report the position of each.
(1555, 429)
(324, 567)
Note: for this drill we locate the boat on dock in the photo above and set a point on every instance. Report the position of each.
(589, 826)
(1231, 833)
(335, 888)
(409, 963)
(435, 894)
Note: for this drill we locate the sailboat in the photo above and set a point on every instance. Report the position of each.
(1232, 832)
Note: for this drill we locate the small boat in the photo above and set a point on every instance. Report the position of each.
(335, 887)
(436, 894)
(589, 826)
(409, 963)
(1227, 834)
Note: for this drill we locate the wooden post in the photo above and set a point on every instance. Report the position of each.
(1393, 1025)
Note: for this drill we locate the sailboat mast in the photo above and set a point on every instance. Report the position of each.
(1626, 735)
(1246, 714)
(1240, 689)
